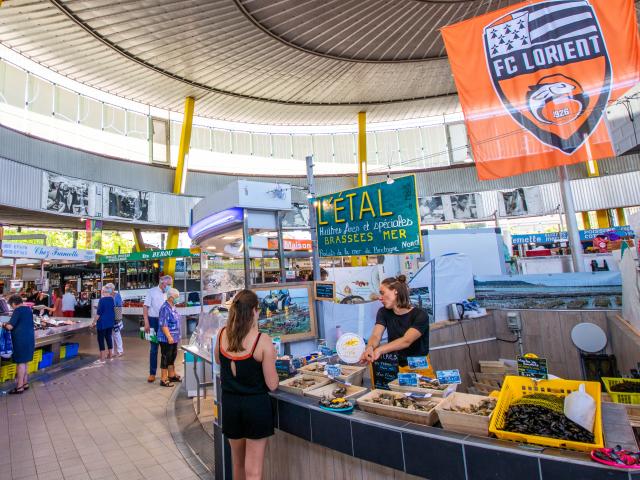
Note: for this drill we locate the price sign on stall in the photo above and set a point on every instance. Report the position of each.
(384, 370)
(533, 367)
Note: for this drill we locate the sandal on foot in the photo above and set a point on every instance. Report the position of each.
(25, 386)
(165, 384)
(176, 378)
(16, 391)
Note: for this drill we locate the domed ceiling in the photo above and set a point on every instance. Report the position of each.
(284, 62)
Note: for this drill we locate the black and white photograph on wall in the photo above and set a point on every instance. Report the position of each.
(431, 210)
(465, 206)
(520, 202)
(297, 217)
(66, 195)
(129, 204)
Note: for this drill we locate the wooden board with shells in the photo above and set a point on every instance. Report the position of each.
(400, 406)
(333, 389)
(466, 413)
(303, 383)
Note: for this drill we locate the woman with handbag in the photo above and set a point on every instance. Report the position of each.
(103, 322)
(119, 323)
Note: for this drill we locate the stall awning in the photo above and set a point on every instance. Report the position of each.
(149, 255)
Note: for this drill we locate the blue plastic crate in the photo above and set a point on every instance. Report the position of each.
(71, 350)
(47, 360)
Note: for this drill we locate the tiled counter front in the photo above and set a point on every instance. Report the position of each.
(313, 443)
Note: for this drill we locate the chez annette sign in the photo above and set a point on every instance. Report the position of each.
(27, 250)
(376, 219)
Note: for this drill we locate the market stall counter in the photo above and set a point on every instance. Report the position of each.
(56, 336)
(309, 439)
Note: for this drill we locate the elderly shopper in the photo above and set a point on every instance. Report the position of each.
(104, 321)
(169, 337)
(150, 312)
(23, 340)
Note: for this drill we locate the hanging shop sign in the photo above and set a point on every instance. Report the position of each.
(26, 250)
(148, 255)
(534, 80)
(375, 219)
(624, 231)
(290, 244)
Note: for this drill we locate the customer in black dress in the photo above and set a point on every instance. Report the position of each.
(23, 340)
(248, 371)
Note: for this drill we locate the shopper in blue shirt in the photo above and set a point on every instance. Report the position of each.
(169, 337)
(104, 322)
(23, 340)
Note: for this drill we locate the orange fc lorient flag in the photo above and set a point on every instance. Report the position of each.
(534, 80)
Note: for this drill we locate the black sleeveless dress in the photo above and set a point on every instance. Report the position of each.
(246, 405)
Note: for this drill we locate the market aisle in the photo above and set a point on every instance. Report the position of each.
(97, 422)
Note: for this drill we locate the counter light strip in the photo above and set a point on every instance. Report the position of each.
(464, 462)
(461, 344)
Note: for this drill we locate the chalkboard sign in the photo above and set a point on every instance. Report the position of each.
(384, 370)
(533, 367)
(325, 291)
(374, 219)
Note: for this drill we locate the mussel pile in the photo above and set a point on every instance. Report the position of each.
(304, 382)
(484, 408)
(542, 415)
(404, 402)
(626, 387)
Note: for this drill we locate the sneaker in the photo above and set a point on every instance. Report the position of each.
(151, 378)
(99, 362)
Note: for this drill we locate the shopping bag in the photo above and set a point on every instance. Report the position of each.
(6, 346)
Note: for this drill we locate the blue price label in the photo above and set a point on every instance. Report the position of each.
(416, 363)
(408, 379)
(333, 370)
(449, 376)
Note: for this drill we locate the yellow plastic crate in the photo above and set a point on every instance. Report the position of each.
(514, 388)
(7, 372)
(37, 355)
(63, 351)
(621, 397)
(32, 366)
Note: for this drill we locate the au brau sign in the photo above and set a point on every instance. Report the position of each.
(376, 219)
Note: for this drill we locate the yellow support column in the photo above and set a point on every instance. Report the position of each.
(362, 172)
(180, 178)
(622, 218)
(603, 218)
(362, 149)
(138, 240)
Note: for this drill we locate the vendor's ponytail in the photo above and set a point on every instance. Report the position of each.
(399, 285)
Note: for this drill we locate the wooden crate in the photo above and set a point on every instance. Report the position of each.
(463, 422)
(491, 366)
(396, 387)
(352, 374)
(489, 378)
(484, 389)
(353, 391)
(633, 411)
(285, 385)
(366, 404)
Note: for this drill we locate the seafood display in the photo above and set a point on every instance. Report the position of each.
(543, 415)
(484, 408)
(626, 387)
(432, 383)
(404, 402)
(305, 382)
(335, 403)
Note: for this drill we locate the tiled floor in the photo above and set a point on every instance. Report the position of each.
(97, 422)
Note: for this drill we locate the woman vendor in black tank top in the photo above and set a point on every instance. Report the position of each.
(247, 373)
(407, 327)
